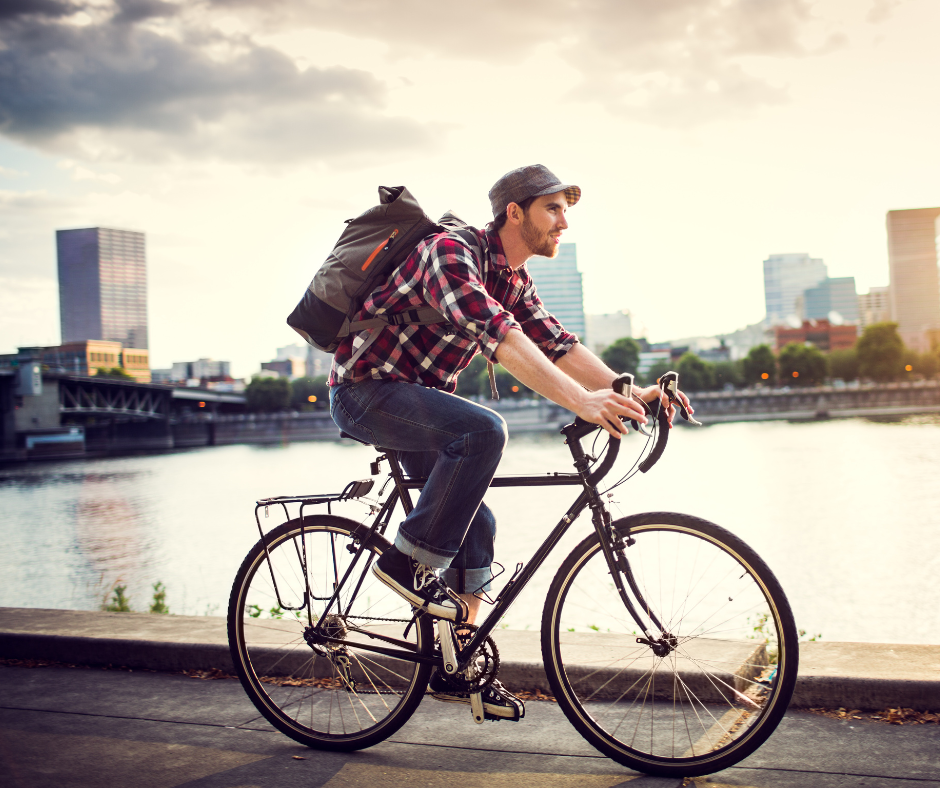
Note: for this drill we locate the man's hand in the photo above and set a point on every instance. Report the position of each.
(606, 406)
(651, 393)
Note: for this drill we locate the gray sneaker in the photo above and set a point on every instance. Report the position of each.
(419, 584)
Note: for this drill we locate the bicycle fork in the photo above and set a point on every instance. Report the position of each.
(614, 547)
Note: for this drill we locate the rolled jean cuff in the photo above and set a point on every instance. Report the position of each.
(473, 579)
(420, 552)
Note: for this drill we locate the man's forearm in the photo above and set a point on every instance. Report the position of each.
(586, 368)
(603, 406)
(522, 358)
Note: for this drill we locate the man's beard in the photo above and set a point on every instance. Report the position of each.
(538, 242)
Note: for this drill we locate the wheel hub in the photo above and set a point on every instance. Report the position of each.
(662, 646)
(333, 627)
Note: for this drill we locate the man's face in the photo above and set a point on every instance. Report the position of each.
(543, 224)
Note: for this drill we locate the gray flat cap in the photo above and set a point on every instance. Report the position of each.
(536, 180)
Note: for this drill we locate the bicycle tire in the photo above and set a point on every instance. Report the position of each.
(300, 689)
(726, 685)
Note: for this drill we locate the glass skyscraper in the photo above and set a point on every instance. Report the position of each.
(558, 284)
(103, 286)
(832, 295)
(786, 278)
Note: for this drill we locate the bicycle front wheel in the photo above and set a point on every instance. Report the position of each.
(731, 669)
(337, 696)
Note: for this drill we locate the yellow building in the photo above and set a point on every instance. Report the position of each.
(88, 357)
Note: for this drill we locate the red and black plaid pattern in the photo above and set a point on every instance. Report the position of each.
(481, 301)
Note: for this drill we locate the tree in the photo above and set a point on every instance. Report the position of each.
(469, 380)
(802, 365)
(622, 356)
(843, 364)
(310, 393)
(760, 366)
(727, 373)
(655, 372)
(695, 374)
(506, 384)
(115, 373)
(267, 395)
(920, 364)
(880, 352)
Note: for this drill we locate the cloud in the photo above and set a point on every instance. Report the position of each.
(131, 11)
(80, 173)
(191, 91)
(881, 10)
(672, 61)
(12, 9)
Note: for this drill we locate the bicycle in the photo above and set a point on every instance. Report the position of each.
(667, 641)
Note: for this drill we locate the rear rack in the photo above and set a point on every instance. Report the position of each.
(356, 489)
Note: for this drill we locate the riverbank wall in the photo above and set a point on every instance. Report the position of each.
(865, 676)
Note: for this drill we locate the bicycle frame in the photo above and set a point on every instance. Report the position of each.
(612, 543)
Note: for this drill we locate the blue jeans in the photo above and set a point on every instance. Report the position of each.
(457, 445)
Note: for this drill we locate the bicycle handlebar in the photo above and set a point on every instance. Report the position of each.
(669, 383)
(623, 384)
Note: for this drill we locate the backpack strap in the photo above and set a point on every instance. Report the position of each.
(422, 316)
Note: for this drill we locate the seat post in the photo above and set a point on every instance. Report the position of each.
(398, 476)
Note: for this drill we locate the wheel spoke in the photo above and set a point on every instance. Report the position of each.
(324, 692)
(704, 703)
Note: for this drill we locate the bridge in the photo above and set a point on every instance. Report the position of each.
(104, 396)
(99, 414)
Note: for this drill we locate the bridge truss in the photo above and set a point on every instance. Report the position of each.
(93, 397)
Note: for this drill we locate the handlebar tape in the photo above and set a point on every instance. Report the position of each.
(621, 382)
(661, 439)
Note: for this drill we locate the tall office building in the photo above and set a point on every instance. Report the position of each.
(558, 283)
(915, 286)
(832, 295)
(786, 278)
(874, 306)
(604, 330)
(103, 286)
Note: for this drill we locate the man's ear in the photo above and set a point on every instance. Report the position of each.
(514, 213)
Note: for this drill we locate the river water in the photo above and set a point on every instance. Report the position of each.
(846, 512)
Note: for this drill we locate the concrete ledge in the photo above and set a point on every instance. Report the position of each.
(865, 676)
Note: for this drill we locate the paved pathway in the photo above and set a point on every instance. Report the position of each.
(87, 727)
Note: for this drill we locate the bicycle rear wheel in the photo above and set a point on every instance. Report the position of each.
(328, 696)
(722, 689)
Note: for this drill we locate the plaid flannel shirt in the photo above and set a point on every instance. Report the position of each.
(481, 301)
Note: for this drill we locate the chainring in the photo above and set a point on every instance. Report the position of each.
(483, 667)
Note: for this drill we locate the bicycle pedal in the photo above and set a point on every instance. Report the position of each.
(476, 708)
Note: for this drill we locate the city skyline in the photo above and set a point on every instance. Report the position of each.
(705, 135)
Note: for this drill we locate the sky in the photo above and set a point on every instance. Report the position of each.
(239, 134)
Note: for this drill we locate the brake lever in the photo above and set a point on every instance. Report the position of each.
(626, 381)
(669, 383)
(636, 425)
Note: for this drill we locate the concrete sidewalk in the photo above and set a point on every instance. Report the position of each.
(864, 676)
(83, 728)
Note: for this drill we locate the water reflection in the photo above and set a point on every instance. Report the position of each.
(111, 535)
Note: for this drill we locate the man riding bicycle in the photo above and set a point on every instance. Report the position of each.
(398, 393)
